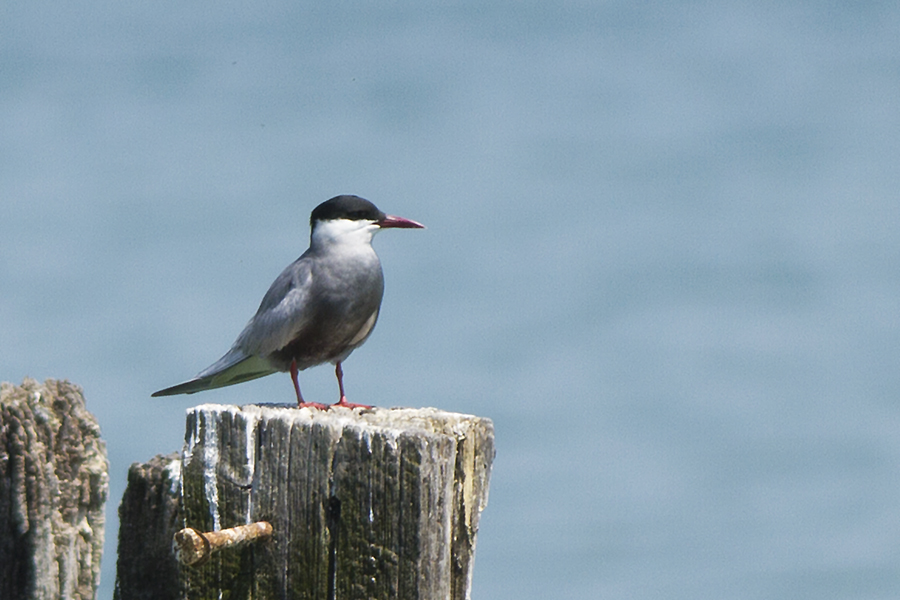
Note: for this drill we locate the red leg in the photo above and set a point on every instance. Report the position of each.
(343, 401)
(300, 402)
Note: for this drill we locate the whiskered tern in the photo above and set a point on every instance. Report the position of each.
(321, 308)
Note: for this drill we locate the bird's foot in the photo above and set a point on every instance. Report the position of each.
(343, 402)
(316, 405)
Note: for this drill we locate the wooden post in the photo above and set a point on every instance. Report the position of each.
(53, 489)
(380, 503)
(148, 515)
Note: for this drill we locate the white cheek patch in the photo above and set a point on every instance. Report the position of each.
(366, 328)
(344, 231)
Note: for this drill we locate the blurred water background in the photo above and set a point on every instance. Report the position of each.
(662, 255)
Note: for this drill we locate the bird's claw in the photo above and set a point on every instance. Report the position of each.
(315, 405)
(343, 402)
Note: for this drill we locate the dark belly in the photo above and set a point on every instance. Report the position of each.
(327, 338)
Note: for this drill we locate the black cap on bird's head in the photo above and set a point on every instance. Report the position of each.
(354, 208)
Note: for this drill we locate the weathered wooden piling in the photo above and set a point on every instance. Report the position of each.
(53, 489)
(380, 504)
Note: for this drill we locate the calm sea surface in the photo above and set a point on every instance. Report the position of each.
(662, 255)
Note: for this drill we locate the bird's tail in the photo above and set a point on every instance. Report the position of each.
(234, 367)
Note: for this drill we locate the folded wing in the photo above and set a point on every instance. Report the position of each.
(280, 316)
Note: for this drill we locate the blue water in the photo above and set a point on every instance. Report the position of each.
(662, 255)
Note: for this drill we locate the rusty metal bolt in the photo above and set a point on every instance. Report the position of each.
(192, 547)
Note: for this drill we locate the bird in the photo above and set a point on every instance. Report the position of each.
(321, 308)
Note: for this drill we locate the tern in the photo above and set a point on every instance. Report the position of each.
(321, 308)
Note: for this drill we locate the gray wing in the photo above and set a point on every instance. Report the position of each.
(280, 316)
(232, 368)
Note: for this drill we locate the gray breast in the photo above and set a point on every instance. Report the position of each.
(344, 304)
